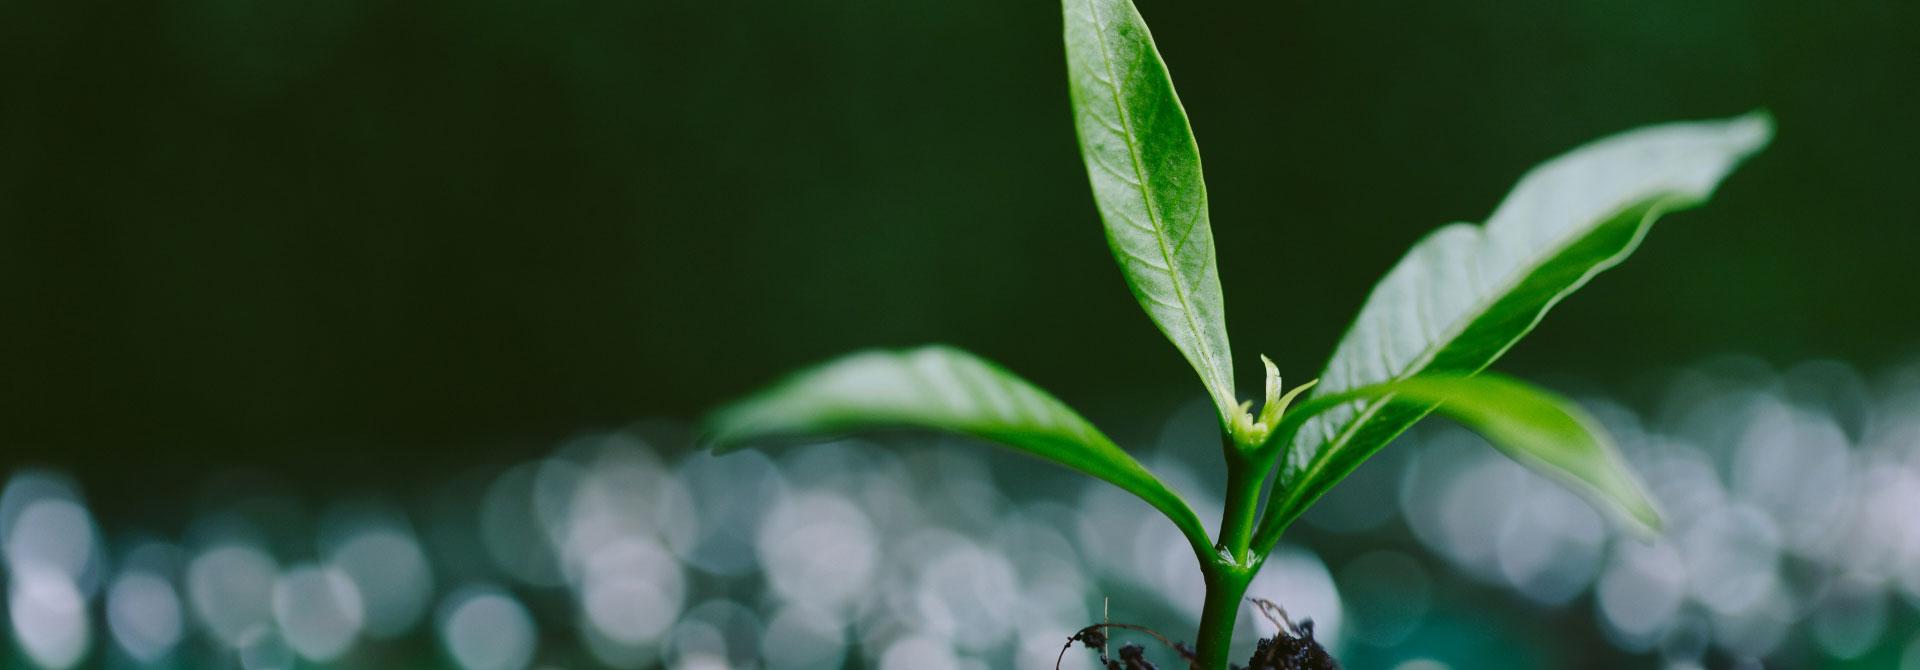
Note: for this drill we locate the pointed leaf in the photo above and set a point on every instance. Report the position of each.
(1466, 293)
(946, 389)
(1539, 429)
(1145, 172)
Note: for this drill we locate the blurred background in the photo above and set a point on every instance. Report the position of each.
(368, 334)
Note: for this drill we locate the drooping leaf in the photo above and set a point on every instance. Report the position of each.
(1145, 171)
(1466, 293)
(1537, 428)
(941, 388)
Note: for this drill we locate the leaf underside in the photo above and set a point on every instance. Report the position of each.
(1144, 168)
(1540, 430)
(1465, 293)
(946, 389)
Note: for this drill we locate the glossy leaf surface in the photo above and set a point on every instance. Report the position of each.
(941, 388)
(1466, 293)
(1145, 171)
(1537, 428)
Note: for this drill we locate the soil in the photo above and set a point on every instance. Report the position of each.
(1292, 646)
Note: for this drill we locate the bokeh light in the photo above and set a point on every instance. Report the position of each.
(391, 576)
(144, 615)
(1790, 539)
(318, 610)
(231, 589)
(485, 628)
(49, 616)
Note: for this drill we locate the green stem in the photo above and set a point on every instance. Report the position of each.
(1226, 588)
(1231, 568)
(1242, 504)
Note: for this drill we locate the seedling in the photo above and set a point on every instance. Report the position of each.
(1458, 300)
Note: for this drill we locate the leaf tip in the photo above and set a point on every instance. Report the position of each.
(1644, 518)
(1753, 130)
(1623, 497)
(1645, 523)
(1278, 406)
(1272, 388)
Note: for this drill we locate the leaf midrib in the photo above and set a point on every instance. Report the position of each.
(1153, 207)
(1480, 307)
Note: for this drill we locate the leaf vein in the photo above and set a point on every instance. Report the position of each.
(1203, 349)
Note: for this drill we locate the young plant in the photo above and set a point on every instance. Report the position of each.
(1454, 304)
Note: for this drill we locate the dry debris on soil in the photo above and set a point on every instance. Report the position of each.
(1292, 646)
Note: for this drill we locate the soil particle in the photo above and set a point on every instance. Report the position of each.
(1292, 646)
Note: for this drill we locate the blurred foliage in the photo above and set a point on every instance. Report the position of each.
(309, 233)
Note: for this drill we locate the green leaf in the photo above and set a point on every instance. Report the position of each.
(1466, 293)
(946, 389)
(1145, 172)
(1539, 429)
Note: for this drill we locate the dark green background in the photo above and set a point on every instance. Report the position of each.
(360, 241)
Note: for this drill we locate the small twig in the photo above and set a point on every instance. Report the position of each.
(1270, 610)
(1261, 604)
(1093, 636)
(1292, 647)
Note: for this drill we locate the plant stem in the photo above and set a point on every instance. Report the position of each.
(1231, 568)
(1226, 588)
(1244, 478)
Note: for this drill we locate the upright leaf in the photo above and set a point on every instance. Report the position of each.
(1145, 172)
(1534, 427)
(1466, 293)
(942, 388)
